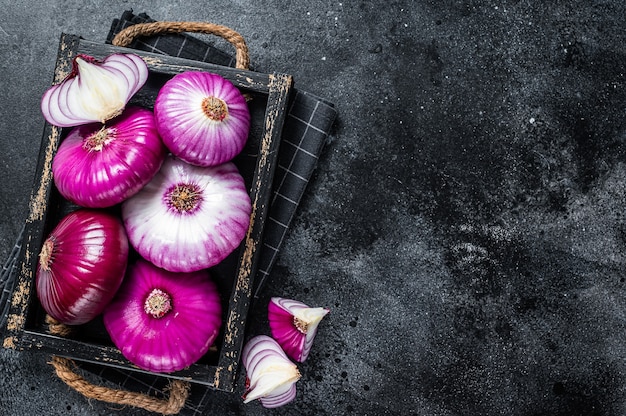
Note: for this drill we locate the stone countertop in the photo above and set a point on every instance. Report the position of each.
(465, 224)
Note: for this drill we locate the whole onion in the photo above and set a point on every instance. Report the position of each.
(100, 165)
(81, 265)
(163, 321)
(202, 117)
(188, 218)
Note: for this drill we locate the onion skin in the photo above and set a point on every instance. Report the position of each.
(270, 376)
(81, 266)
(94, 91)
(204, 231)
(177, 339)
(195, 134)
(99, 166)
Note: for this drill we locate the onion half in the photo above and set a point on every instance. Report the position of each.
(294, 325)
(81, 265)
(270, 376)
(99, 165)
(163, 321)
(202, 117)
(188, 218)
(95, 91)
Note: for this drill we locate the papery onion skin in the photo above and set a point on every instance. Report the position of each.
(98, 166)
(202, 231)
(193, 133)
(270, 376)
(81, 265)
(94, 91)
(175, 340)
(294, 325)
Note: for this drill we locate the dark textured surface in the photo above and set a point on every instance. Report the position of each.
(465, 222)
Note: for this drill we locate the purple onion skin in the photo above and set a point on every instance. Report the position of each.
(188, 132)
(98, 176)
(177, 339)
(82, 266)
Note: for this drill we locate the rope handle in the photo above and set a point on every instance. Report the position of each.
(129, 34)
(66, 370)
(178, 390)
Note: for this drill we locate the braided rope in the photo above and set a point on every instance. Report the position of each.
(127, 35)
(66, 370)
(178, 391)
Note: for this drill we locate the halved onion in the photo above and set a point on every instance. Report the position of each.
(95, 91)
(270, 376)
(188, 218)
(294, 325)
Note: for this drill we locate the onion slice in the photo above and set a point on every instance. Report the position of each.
(99, 165)
(270, 376)
(188, 218)
(163, 321)
(202, 117)
(294, 325)
(81, 265)
(94, 91)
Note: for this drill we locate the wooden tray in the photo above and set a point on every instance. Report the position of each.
(26, 328)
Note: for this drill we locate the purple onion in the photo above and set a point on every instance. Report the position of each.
(163, 321)
(188, 217)
(202, 117)
(99, 165)
(94, 91)
(81, 265)
(294, 325)
(270, 376)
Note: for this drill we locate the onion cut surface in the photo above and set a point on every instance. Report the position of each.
(81, 265)
(188, 218)
(163, 321)
(99, 165)
(202, 117)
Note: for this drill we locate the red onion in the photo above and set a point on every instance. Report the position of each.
(203, 118)
(95, 91)
(294, 325)
(81, 265)
(99, 165)
(271, 377)
(163, 321)
(188, 217)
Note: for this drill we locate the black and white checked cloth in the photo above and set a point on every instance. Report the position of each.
(307, 126)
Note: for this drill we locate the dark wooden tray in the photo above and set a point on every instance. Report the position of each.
(26, 328)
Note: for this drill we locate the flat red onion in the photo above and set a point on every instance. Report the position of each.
(94, 91)
(294, 325)
(99, 165)
(81, 265)
(163, 321)
(270, 376)
(203, 118)
(188, 218)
